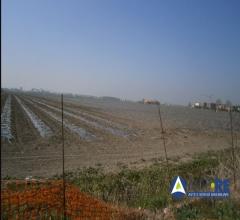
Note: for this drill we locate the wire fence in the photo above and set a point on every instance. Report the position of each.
(60, 199)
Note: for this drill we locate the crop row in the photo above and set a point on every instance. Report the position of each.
(74, 128)
(95, 124)
(6, 132)
(41, 127)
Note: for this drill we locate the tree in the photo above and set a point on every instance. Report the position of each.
(218, 101)
(228, 103)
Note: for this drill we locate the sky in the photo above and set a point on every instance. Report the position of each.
(174, 51)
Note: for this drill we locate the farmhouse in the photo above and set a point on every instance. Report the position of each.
(197, 105)
(150, 101)
(223, 107)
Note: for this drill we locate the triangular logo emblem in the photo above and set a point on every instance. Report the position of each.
(178, 187)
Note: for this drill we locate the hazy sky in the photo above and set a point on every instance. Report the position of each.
(174, 51)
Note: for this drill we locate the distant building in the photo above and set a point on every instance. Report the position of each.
(216, 106)
(150, 101)
(213, 106)
(197, 105)
(223, 107)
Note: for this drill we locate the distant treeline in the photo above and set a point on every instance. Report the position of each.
(42, 92)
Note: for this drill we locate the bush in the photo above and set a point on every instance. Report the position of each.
(187, 212)
(228, 210)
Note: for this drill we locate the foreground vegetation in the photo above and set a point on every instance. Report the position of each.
(148, 188)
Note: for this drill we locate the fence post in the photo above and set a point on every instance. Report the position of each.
(163, 137)
(63, 165)
(233, 150)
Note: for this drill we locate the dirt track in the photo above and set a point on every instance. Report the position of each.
(188, 131)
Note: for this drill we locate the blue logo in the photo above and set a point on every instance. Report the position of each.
(178, 187)
(220, 186)
(219, 189)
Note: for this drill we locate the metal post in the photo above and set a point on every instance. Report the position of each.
(233, 150)
(63, 166)
(163, 137)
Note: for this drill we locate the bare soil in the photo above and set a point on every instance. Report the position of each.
(188, 131)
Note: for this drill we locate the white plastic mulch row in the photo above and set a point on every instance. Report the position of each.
(76, 129)
(106, 122)
(6, 120)
(94, 124)
(42, 128)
